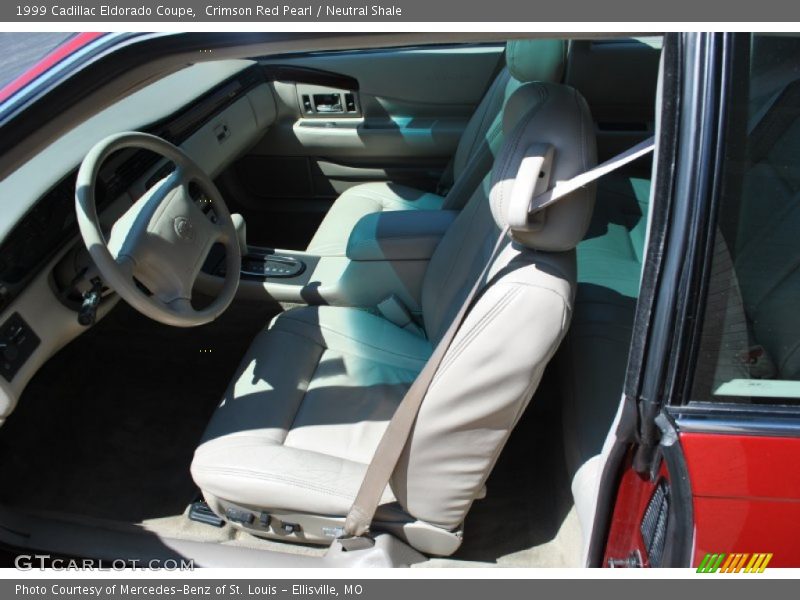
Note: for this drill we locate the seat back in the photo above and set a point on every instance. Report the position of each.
(499, 354)
(526, 61)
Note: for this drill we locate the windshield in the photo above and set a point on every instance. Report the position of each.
(20, 51)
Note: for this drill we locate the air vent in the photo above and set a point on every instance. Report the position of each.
(654, 524)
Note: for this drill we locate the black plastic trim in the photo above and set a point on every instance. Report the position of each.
(712, 417)
(308, 75)
(663, 190)
(694, 178)
(680, 529)
(702, 241)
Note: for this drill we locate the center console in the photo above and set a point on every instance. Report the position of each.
(262, 264)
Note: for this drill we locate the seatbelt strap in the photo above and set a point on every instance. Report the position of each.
(562, 188)
(394, 439)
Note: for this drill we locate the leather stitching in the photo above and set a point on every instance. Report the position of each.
(356, 340)
(455, 351)
(521, 401)
(543, 287)
(584, 158)
(280, 479)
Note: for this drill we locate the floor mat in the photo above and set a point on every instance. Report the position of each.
(107, 428)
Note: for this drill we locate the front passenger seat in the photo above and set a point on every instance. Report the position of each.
(526, 61)
(287, 449)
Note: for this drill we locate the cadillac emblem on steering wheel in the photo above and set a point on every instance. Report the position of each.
(184, 228)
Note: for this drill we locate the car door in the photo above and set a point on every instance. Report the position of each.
(352, 117)
(703, 470)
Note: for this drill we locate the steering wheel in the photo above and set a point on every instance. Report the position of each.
(163, 239)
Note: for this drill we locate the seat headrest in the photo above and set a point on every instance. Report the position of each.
(541, 115)
(536, 60)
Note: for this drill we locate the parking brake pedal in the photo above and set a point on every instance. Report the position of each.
(200, 512)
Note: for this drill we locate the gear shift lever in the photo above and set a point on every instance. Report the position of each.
(241, 232)
(262, 262)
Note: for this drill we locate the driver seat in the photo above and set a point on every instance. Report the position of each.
(286, 450)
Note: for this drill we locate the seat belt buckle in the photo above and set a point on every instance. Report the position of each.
(355, 543)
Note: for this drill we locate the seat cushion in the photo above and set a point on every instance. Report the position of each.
(333, 233)
(306, 409)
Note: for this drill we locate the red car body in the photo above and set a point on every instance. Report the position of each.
(63, 51)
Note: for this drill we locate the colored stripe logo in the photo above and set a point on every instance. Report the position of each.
(734, 563)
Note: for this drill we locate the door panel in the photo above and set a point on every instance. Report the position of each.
(427, 78)
(346, 118)
(746, 495)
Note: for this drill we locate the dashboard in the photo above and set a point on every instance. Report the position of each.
(213, 111)
(51, 222)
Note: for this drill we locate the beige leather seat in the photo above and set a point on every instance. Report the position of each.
(526, 61)
(287, 449)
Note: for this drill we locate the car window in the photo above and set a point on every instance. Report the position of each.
(750, 341)
(21, 51)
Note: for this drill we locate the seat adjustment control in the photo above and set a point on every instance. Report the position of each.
(290, 528)
(17, 343)
(243, 517)
(87, 314)
(201, 513)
